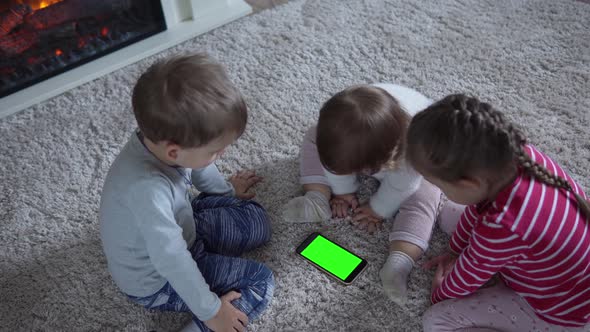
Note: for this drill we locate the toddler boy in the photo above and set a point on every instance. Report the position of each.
(165, 249)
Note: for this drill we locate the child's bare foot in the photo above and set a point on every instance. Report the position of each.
(312, 207)
(394, 276)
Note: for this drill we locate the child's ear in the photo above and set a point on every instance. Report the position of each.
(172, 151)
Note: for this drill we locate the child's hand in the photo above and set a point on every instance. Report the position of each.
(242, 182)
(365, 218)
(228, 318)
(444, 264)
(341, 204)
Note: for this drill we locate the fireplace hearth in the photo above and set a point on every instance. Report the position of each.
(46, 49)
(40, 39)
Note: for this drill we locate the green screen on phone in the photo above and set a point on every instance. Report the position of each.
(331, 257)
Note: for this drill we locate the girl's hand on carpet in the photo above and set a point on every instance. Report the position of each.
(341, 204)
(228, 318)
(365, 218)
(444, 264)
(243, 181)
(447, 260)
(438, 278)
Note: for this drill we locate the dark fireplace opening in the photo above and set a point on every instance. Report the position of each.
(41, 39)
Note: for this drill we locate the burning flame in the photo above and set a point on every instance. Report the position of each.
(35, 4)
(58, 52)
(43, 4)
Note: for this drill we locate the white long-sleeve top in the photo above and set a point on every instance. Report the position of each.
(397, 184)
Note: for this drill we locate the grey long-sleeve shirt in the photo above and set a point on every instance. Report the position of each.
(147, 225)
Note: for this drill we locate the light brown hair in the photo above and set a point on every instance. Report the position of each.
(362, 127)
(459, 136)
(188, 100)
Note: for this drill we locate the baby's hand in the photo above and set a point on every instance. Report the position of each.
(365, 218)
(341, 204)
(243, 181)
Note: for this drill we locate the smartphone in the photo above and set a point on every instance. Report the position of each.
(331, 258)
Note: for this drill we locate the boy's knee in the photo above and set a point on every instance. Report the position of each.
(259, 219)
(262, 281)
(269, 275)
(258, 293)
(266, 276)
(269, 280)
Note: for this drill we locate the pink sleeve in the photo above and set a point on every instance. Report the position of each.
(491, 247)
(462, 234)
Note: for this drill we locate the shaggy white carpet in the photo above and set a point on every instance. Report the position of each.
(530, 58)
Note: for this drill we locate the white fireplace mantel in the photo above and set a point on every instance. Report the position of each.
(185, 19)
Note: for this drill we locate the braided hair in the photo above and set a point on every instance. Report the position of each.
(460, 136)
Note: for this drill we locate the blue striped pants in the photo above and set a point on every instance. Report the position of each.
(226, 228)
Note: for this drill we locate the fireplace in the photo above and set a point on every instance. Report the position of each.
(48, 47)
(40, 39)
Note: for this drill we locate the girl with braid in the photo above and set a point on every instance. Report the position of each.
(526, 221)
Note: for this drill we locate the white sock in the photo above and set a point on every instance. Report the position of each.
(312, 207)
(191, 327)
(394, 276)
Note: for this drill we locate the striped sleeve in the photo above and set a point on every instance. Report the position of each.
(462, 234)
(491, 247)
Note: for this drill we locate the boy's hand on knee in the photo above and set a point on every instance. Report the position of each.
(228, 318)
(243, 181)
(342, 204)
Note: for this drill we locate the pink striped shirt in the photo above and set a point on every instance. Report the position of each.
(536, 239)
